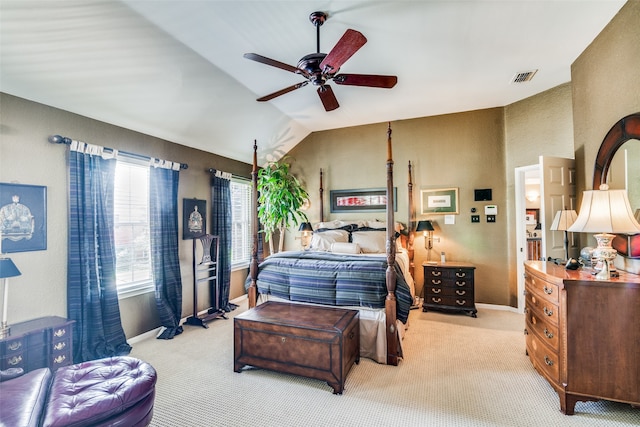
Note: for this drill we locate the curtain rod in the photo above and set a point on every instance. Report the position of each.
(233, 175)
(57, 139)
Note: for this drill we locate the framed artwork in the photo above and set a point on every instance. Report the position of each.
(23, 218)
(362, 200)
(439, 201)
(194, 218)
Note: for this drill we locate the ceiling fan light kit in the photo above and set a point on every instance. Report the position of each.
(319, 68)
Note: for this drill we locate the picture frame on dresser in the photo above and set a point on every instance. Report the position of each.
(442, 201)
(23, 217)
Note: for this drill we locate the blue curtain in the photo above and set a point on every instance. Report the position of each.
(221, 226)
(163, 205)
(92, 296)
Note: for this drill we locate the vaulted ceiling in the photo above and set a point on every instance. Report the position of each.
(175, 69)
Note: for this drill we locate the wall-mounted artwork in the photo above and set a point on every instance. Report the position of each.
(439, 201)
(23, 218)
(194, 218)
(362, 200)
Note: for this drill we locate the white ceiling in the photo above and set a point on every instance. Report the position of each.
(174, 69)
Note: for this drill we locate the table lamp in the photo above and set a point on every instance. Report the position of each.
(427, 230)
(562, 221)
(605, 212)
(7, 269)
(305, 229)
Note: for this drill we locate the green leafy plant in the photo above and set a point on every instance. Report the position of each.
(280, 200)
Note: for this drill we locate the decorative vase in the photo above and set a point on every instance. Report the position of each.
(605, 255)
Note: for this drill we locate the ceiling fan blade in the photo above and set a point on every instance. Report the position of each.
(370, 80)
(349, 44)
(282, 91)
(273, 63)
(328, 98)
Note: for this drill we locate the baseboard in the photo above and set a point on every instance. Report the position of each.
(157, 331)
(498, 307)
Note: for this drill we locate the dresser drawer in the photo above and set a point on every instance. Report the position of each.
(13, 346)
(543, 358)
(448, 291)
(546, 331)
(543, 308)
(451, 301)
(16, 359)
(544, 289)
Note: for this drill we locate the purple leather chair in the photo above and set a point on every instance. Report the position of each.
(116, 391)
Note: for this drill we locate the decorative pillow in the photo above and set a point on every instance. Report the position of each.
(331, 225)
(321, 241)
(345, 248)
(370, 241)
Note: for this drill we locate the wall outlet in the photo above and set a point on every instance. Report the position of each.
(491, 218)
(475, 218)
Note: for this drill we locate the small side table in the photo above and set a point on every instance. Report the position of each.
(449, 287)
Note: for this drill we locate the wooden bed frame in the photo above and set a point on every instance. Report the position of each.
(394, 350)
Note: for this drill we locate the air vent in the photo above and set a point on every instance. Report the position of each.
(523, 76)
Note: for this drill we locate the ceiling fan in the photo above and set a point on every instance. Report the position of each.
(319, 68)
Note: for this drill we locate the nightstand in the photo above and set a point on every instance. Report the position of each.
(449, 287)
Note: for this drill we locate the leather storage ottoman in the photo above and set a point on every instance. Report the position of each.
(310, 341)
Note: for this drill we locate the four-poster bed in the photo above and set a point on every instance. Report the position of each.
(378, 284)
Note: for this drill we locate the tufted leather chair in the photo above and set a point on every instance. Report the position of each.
(116, 391)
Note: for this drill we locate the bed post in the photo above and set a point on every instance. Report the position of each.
(410, 223)
(393, 348)
(321, 199)
(253, 266)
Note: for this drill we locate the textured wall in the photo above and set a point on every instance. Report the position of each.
(27, 158)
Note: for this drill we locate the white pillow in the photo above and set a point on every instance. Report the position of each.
(321, 241)
(345, 248)
(370, 241)
(331, 225)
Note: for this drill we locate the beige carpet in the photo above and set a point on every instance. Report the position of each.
(457, 371)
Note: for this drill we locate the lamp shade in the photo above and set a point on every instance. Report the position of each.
(8, 268)
(305, 226)
(424, 226)
(563, 220)
(605, 211)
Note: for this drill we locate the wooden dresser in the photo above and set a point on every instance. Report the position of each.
(582, 334)
(45, 342)
(449, 287)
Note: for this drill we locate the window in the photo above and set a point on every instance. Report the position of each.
(131, 229)
(241, 240)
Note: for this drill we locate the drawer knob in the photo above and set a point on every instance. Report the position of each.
(463, 302)
(14, 360)
(59, 333)
(548, 361)
(60, 359)
(436, 282)
(59, 346)
(436, 273)
(15, 345)
(547, 333)
(547, 290)
(283, 340)
(547, 311)
(458, 292)
(352, 334)
(461, 274)
(436, 300)
(461, 283)
(436, 290)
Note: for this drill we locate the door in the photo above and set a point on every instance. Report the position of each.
(557, 191)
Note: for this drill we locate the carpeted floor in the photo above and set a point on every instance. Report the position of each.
(457, 371)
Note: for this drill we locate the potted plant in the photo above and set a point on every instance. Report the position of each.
(280, 200)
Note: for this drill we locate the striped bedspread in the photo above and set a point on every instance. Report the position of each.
(332, 279)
